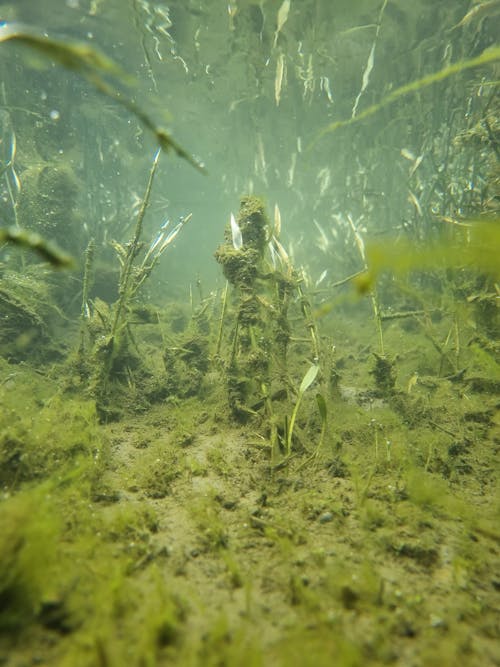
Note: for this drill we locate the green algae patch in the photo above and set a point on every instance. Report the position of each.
(29, 532)
(168, 538)
(41, 434)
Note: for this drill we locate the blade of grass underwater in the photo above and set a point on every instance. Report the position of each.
(324, 416)
(309, 378)
(46, 249)
(92, 65)
(475, 245)
(73, 55)
(307, 381)
(322, 407)
(487, 56)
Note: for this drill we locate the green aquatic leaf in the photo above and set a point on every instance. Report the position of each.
(477, 244)
(309, 378)
(307, 381)
(322, 407)
(474, 244)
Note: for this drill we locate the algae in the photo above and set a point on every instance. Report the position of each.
(174, 489)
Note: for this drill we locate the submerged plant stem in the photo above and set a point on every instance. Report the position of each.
(124, 287)
(487, 56)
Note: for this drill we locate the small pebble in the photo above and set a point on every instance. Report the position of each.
(326, 517)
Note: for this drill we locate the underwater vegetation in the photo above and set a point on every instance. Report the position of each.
(93, 66)
(46, 249)
(265, 437)
(474, 245)
(489, 55)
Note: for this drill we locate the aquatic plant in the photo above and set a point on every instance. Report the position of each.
(243, 267)
(29, 313)
(196, 540)
(323, 411)
(47, 250)
(307, 381)
(107, 350)
(29, 530)
(93, 66)
(258, 366)
(488, 56)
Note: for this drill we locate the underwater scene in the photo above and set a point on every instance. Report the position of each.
(249, 333)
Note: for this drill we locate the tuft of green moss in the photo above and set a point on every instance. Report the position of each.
(29, 533)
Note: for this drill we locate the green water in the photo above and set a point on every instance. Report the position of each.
(255, 420)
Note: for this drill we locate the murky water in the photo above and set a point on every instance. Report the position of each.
(257, 419)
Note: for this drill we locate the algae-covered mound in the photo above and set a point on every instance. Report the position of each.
(29, 531)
